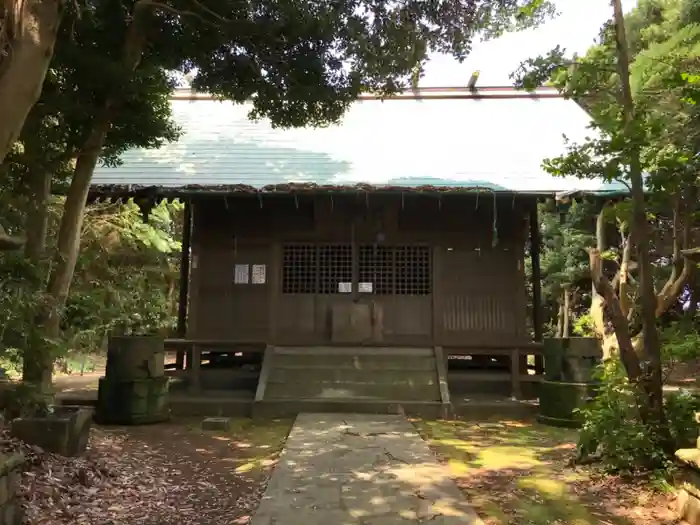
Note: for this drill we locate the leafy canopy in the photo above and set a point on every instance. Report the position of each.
(302, 63)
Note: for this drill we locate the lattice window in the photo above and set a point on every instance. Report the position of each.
(413, 275)
(299, 268)
(383, 270)
(335, 267)
(377, 268)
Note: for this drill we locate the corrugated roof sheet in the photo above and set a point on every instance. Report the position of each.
(495, 138)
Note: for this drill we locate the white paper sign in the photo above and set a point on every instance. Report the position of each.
(241, 274)
(345, 287)
(259, 273)
(365, 287)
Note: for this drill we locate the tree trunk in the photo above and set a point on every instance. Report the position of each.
(653, 377)
(37, 215)
(31, 27)
(36, 351)
(601, 240)
(628, 356)
(39, 363)
(566, 319)
(560, 317)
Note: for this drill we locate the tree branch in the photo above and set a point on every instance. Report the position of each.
(624, 342)
(683, 265)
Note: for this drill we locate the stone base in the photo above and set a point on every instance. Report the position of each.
(66, 431)
(560, 400)
(221, 424)
(10, 510)
(135, 402)
(688, 507)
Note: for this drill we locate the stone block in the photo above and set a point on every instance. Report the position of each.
(221, 424)
(688, 507)
(65, 431)
(137, 402)
(10, 511)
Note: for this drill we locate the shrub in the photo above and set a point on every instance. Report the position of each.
(613, 432)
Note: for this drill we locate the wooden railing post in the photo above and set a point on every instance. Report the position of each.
(194, 367)
(515, 388)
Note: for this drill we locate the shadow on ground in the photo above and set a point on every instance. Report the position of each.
(218, 476)
(517, 472)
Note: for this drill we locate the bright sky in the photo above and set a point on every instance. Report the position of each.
(574, 29)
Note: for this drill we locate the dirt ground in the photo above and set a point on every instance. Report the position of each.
(165, 474)
(518, 473)
(513, 473)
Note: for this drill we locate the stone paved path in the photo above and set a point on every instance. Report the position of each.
(360, 470)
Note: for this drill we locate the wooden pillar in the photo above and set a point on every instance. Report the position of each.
(535, 242)
(183, 298)
(515, 387)
(193, 362)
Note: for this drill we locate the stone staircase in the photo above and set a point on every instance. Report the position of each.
(352, 379)
(688, 482)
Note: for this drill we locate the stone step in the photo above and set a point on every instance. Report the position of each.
(330, 389)
(347, 375)
(354, 362)
(390, 351)
(279, 408)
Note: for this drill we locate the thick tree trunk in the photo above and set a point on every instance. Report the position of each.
(36, 352)
(31, 27)
(37, 215)
(628, 356)
(39, 364)
(653, 376)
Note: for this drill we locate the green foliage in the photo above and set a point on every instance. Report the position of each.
(613, 431)
(583, 326)
(133, 269)
(681, 344)
(566, 237)
(125, 281)
(566, 234)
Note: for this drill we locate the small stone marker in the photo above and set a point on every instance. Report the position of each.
(216, 423)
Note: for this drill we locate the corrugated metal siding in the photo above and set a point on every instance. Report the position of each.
(498, 143)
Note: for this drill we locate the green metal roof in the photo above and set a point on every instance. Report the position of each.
(492, 138)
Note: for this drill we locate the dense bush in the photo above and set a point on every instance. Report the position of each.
(613, 431)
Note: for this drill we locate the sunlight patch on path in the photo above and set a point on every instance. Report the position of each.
(360, 470)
